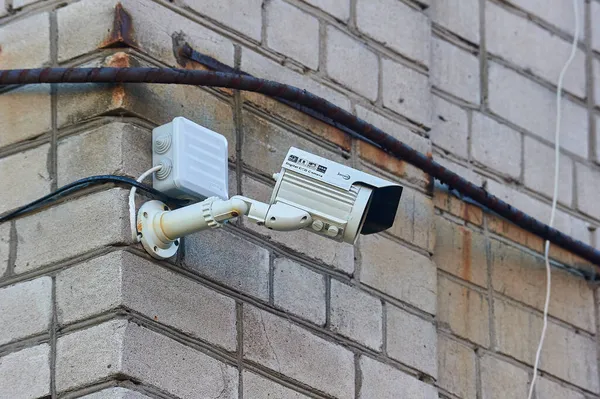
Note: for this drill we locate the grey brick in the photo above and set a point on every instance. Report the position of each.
(596, 74)
(4, 247)
(450, 127)
(533, 107)
(121, 348)
(461, 170)
(26, 42)
(396, 25)
(496, 146)
(596, 154)
(85, 101)
(560, 14)
(406, 91)
(290, 350)
(382, 381)
(588, 189)
(351, 63)
(266, 145)
(25, 309)
(296, 119)
(398, 271)
(545, 388)
(299, 290)
(456, 366)
(522, 276)
(580, 230)
(230, 260)
(539, 171)
(460, 17)
(356, 315)
(116, 393)
(300, 42)
(412, 340)
(261, 66)
(91, 288)
(338, 255)
(26, 374)
(595, 13)
(500, 379)
(123, 279)
(83, 224)
(528, 204)
(90, 355)
(154, 25)
(256, 387)
(186, 373)
(27, 174)
(394, 129)
(414, 219)
(244, 17)
(460, 251)
(573, 355)
(530, 47)
(464, 311)
(17, 121)
(455, 71)
(76, 18)
(114, 148)
(338, 8)
(22, 3)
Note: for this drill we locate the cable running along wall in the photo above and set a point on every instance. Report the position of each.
(313, 102)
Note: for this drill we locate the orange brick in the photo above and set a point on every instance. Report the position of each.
(514, 233)
(393, 165)
(455, 206)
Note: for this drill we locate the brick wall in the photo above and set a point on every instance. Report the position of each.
(446, 304)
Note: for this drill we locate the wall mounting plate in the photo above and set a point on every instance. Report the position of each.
(147, 215)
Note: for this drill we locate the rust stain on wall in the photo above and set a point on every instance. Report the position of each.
(118, 96)
(119, 60)
(121, 34)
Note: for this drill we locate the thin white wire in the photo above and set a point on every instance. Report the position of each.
(132, 218)
(554, 194)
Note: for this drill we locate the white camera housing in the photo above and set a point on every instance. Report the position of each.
(311, 193)
(341, 201)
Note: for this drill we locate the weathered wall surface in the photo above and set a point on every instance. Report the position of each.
(445, 304)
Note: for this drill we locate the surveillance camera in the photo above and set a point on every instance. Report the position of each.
(311, 192)
(340, 201)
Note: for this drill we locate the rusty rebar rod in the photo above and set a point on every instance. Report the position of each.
(309, 100)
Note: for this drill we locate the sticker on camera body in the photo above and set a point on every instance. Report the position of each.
(319, 168)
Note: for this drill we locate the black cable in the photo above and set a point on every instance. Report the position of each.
(87, 182)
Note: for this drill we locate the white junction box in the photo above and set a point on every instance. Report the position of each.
(193, 159)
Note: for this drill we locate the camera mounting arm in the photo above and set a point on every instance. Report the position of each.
(160, 228)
